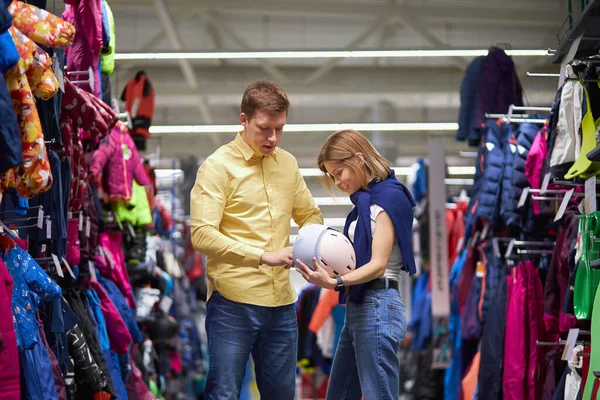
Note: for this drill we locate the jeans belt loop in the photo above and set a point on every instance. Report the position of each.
(387, 283)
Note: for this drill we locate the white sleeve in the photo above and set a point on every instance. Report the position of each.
(375, 211)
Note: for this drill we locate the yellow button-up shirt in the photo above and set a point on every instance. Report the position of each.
(241, 206)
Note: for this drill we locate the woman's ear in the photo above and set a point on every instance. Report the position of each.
(361, 158)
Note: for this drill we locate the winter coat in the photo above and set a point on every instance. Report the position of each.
(498, 88)
(84, 53)
(82, 113)
(525, 137)
(137, 210)
(9, 357)
(32, 75)
(120, 338)
(534, 166)
(492, 165)
(111, 263)
(138, 96)
(41, 26)
(508, 203)
(31, 286)
(108, 50)
(8, 52)
(467, 129)
(124, 164)
(10, 137)
(567, 142)
(127, 313)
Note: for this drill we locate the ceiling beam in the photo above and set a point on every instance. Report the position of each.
(266, 65)
(329, 65)
(541, 16)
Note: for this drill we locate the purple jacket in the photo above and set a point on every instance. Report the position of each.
(119, 154)
(84, 53)
(499, 86)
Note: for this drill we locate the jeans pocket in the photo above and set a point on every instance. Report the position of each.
(397, 322)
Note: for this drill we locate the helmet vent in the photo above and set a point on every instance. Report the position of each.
(347, 266)
(324, 262)
(335, 272)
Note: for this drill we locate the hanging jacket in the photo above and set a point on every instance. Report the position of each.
(9, 357)
(137, 210)
(491, 159)
(41, 26)
(468, 130)
(8, 52)
(567, 140)
(84, 53)
(124, 164)
(498, 88)
(119, 336)
(534, 166)
(127, 314)
(108, 50)
(508, 204)
(111, 263)
(32, 73)
(138, 96)
(31, 286)
(525, 137)
(10, 137)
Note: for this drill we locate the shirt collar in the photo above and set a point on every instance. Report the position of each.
(243, 147)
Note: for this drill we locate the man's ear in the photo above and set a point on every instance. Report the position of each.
(244, 120)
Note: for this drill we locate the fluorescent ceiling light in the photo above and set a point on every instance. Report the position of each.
(392, 126)
(231, 55)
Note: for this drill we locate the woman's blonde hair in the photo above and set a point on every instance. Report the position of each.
(342, 147)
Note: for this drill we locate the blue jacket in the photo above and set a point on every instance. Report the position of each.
(468, 96)
(453, 375)
(32, 285)
(508, 203)
(491, 159)
(119, 301)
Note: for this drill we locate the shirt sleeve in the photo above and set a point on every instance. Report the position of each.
(305, 210)
(208, 200)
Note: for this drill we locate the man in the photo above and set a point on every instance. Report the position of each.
(241, 205)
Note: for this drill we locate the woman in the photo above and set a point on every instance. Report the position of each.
(380, 228)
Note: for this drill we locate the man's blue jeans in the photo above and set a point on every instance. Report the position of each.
(234, 331)
(366, 361)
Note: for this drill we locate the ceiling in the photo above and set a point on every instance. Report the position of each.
(322, 90)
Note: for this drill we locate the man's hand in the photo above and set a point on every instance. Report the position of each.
(278, 258)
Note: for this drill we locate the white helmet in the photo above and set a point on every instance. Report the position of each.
(333, 250)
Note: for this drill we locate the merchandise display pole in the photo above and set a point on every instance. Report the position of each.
(440, 292)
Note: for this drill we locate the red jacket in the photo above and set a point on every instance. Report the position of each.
(9, 357)
(139, 102)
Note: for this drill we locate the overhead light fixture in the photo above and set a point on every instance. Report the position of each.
(239, 55)
(392, 126)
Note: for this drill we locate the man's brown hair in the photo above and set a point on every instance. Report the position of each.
(264, 95)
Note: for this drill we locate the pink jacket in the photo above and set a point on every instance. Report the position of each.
(111, 263)
(534, 166)
(84, 53)
(119, 335)
(123, 164)
(9, 356)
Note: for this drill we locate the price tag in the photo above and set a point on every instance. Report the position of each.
(460, 243)
(1, 228)
(523, 198)
(496, 247)
(509, 249)
(48, 228)
(570, 345)
(40, 218)
(93, 271)
(131, 230)
(110, 258)
(480, 269)
(165, 304)
(564, 204)
(545, 183)
(58, 72)
(70, 215)
(43, 249)
(59, 270)
(485, 231)
(80, 228)
(88, 226)
(64, 260)
(590, 195)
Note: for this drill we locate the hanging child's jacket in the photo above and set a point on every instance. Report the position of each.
(119, 154)
(138, 96)
(9, 357)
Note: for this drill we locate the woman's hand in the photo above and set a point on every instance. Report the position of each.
(317, 277)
